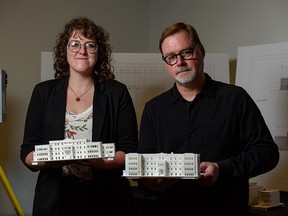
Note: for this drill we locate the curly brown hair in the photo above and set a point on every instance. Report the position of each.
(103, 69)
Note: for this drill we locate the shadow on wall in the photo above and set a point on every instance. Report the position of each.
(232, 66)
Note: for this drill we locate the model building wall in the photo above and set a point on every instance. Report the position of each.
(72, 150)
(184, 165)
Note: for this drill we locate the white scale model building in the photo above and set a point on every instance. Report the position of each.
(69, 149)
(184, 165)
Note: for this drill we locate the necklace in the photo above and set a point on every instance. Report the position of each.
(78, 97)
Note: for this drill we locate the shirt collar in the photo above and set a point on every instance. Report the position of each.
(209, 89)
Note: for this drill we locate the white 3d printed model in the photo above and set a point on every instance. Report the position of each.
(69, 149)
(184, 165)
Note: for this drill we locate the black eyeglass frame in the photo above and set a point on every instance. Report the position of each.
(181, 53)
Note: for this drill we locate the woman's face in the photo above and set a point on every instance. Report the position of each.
(81, 54)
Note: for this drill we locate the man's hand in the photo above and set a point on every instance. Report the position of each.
(209, 173)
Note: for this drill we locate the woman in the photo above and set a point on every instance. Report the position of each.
(84, 101)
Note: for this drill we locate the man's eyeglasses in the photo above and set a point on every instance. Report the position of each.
(185, 54)
(75, 46)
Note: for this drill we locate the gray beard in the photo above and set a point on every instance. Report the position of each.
(187, 79)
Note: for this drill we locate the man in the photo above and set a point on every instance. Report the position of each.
(219, 121)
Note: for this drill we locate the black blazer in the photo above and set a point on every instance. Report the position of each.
(114, 120)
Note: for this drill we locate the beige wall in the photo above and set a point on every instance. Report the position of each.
(28, 27)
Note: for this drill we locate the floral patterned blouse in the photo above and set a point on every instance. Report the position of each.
(78, 127)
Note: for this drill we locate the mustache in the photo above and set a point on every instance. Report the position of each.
(182, 69)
